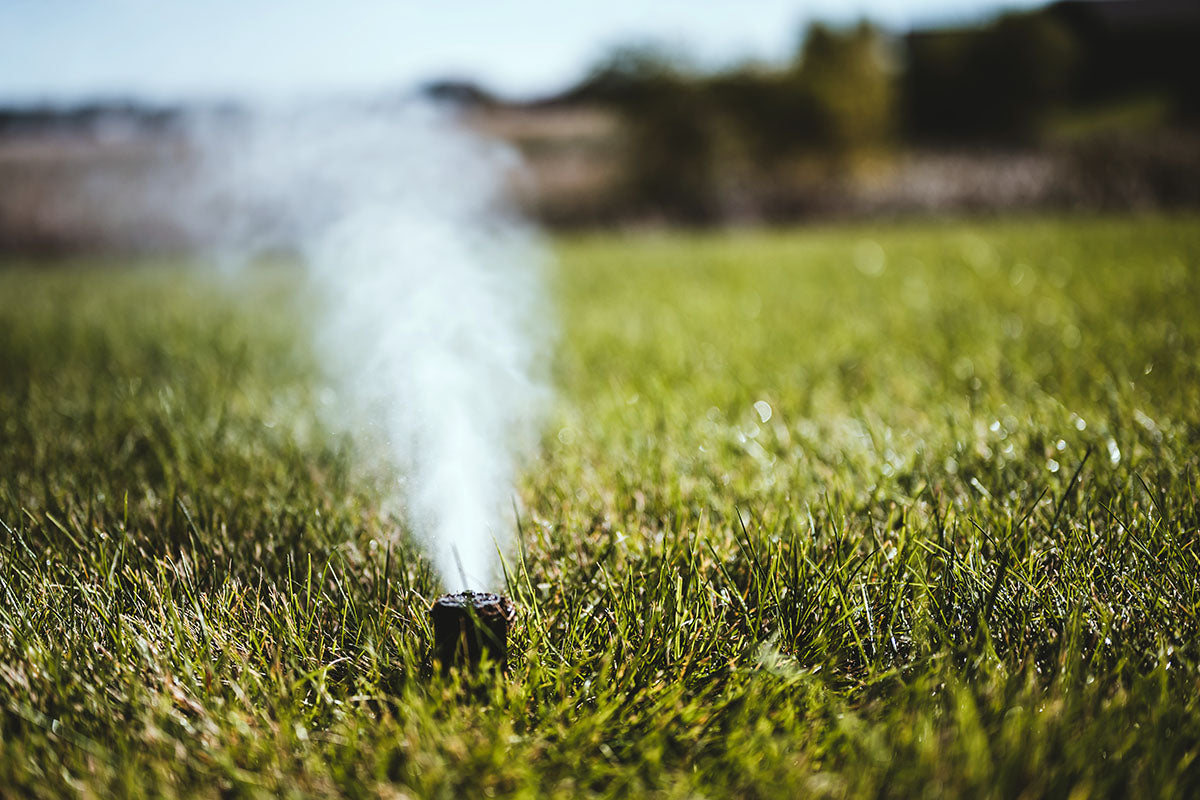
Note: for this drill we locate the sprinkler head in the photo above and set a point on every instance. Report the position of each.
(469, 624)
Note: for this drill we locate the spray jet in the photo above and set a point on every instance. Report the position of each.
(430, 315)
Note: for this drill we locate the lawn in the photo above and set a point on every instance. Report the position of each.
(894, 510)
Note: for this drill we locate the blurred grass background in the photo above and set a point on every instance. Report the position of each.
(855, 510)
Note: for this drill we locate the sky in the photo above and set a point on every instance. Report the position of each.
(63, 51)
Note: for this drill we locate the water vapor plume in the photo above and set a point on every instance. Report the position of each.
(431, 323)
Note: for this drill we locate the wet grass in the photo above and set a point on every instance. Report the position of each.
(887, 511)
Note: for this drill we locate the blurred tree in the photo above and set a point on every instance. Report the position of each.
(998, 83)
(838, 97)
(849, 79)
(1136, 48)
(770, 114)
(670, 129)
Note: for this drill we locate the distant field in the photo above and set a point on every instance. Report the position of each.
(898, 511)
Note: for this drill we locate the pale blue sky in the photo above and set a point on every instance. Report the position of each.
(67, 50)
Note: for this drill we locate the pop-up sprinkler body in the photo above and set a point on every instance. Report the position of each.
(468, 625)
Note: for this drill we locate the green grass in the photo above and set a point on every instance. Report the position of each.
(960, 558)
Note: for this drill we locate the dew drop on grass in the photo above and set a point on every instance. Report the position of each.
(979, 254)
(1114, 452)
(1052, 465)
(870, 258)
(1148, 423)
(764, 410)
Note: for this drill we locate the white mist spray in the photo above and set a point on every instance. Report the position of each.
(431, 323)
